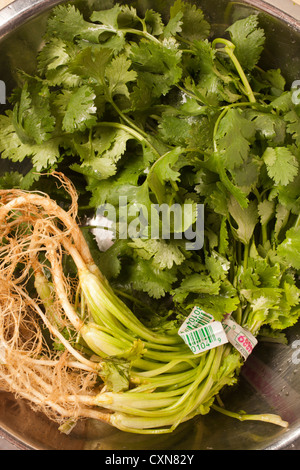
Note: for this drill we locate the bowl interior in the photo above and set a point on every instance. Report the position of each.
(270, 380)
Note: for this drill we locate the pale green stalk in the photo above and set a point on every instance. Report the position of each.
(229, 49)
(266, 417)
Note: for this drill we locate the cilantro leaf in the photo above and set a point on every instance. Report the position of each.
(193, 24)
(67, 23)
(116, 375)
(276, 80)
(33, 120)
(289, 195)
(162, 171)
(154, 23)
(173, 129)
(233, 138)
(266, 210)
(144, 276)
(157, 65)
(12, 148)
(248, 39)
(164, 254)
(54, 63)
(282, 216)
(111, 260)
(245, 219)
(118, 75)
(213, 82)
(10, 180)
(288, 312)
(196, 284)
(91, 64)
(100, 156)
(217, 265)
(267, 275)
(174, 25)
(289, 249)
(293, 125)
(78, 108)
(270, 127)
(282, 165)
(108, 17)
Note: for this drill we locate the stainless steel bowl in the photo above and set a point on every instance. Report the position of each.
(270, 380)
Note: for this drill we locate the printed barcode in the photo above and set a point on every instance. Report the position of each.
(206, 333)
(198, 318)
(205, 318)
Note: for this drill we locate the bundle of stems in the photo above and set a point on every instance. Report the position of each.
(73, 349)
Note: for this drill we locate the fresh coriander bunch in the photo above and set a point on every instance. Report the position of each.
(74, 350)
(132, 103)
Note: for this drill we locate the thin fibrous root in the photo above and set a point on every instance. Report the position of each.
(31, 203)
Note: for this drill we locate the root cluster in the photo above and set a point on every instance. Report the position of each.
(35, 233)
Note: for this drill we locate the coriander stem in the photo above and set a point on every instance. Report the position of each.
(266, 417)
(127, 119)
(185, 41)
(141, 33)
(202, 373)
(242, 74)
(238, 316)
(246, 256)
(216, 127)
(131, 31)
(229, 48)
(245, 315)
(118, 125)
(239, 252)
(136, 134)
(264, 234)
(188, 51)
(240, 103)
(257, 195)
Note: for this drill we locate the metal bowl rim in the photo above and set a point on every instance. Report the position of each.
(20, 11)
